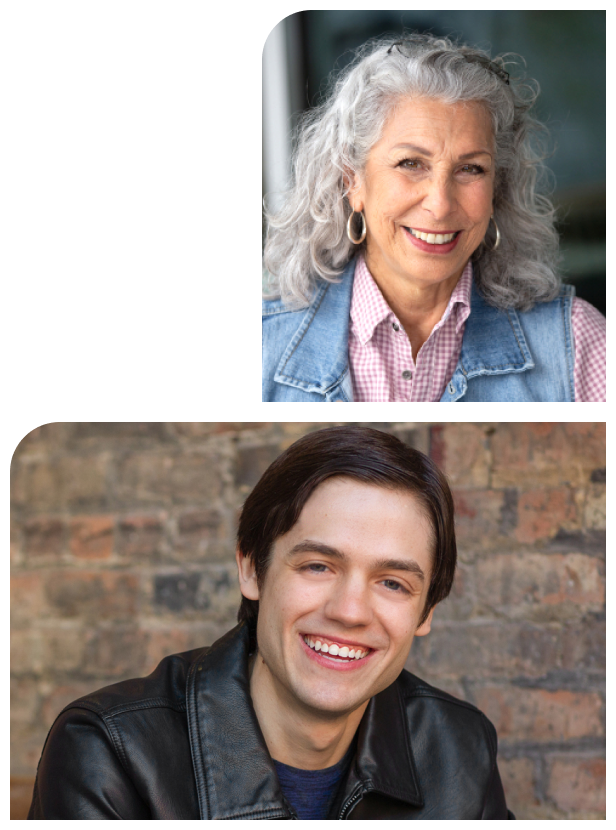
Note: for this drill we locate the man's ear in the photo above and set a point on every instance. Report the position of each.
(424, 628)
(247, 575)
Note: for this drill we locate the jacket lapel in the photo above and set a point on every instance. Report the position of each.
(384, 761)
(235, 775)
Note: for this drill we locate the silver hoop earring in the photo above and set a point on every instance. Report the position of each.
(498, 236)
(363, 228)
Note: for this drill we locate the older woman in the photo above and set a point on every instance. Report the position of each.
(414, 259)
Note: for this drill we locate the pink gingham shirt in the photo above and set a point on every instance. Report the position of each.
(381, 359)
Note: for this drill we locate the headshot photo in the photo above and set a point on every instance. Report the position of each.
(434, 207)
(312, 620)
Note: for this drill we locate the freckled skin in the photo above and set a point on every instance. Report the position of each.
(300, 703)
(435, 192)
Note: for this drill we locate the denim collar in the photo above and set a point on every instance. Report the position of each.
(316, 360)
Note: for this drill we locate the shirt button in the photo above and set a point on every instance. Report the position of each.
(395, 327)
(407, 375)
(452, 389)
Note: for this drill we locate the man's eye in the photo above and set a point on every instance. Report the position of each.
(316, 567)
(395, 586)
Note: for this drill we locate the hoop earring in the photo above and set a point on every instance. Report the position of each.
(363, 228)
(498, 236)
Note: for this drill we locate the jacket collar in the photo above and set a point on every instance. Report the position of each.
(234, 772)
(494, 341)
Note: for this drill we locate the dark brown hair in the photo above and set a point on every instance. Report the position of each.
(366, 455)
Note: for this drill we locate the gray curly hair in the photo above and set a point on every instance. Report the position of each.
(306, 239)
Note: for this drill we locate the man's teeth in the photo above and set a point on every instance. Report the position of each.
(433, 238)
(335, 650)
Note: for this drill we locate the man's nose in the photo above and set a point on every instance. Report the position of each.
(349, 603)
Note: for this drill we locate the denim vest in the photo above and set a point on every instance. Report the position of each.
(506, 355)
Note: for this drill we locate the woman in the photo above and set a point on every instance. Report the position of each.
(414, 259)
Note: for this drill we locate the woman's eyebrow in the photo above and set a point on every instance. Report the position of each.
(422, 151)
(309, 546)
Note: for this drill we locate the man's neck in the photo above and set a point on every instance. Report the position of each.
(297, 735)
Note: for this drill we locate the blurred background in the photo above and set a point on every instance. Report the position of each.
(564, 52)
(122, 551)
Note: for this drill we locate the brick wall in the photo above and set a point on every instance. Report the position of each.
(122, 552)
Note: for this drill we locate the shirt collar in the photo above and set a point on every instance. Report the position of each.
(369, 307)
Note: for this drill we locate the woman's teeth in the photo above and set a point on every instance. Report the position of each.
(334, 650)
(433, 238)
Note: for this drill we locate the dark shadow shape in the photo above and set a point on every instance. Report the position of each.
(50, 357)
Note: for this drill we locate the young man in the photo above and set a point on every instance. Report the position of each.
(304, 710)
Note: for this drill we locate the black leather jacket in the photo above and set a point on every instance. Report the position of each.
(184, 743)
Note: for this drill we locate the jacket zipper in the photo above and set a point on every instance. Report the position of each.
(347, 807)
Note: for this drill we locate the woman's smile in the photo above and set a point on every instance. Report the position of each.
(433, 242)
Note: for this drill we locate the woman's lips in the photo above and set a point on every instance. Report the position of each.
(429, 247)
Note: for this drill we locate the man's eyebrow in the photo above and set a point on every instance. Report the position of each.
(422, 151)
(308, 546)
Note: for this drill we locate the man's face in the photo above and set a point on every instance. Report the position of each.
(352, 573)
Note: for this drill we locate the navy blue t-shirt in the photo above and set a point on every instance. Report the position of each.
(311, 792)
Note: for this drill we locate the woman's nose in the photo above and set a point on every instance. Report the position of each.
(439, 198)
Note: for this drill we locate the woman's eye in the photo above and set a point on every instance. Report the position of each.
(473, 169)
(410, 164)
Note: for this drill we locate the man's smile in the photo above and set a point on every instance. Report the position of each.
(336, 648)
(332, 658)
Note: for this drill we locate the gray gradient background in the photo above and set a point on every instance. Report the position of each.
(150, 159)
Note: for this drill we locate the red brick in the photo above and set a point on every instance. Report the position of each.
(578, 785)
(47, 483)
(26, 657)
(92, 537)
(92, 595)
(44, 536)
(196, 530)
(22, 787)
(479, 515)
(27, 597)
(197, 431)
(552, 453)
(542, 513)
(517, 775)
(62, 648)
(465, 455)
(142, 536)
(24, 703)
(584, 644)
(114, 653)
(161, 643)
(594, 508)
(153, 478)
(60, 696)
(525, 583)
(541, 715)
(485, 649)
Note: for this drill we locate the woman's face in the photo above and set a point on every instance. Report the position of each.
(431, 172)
